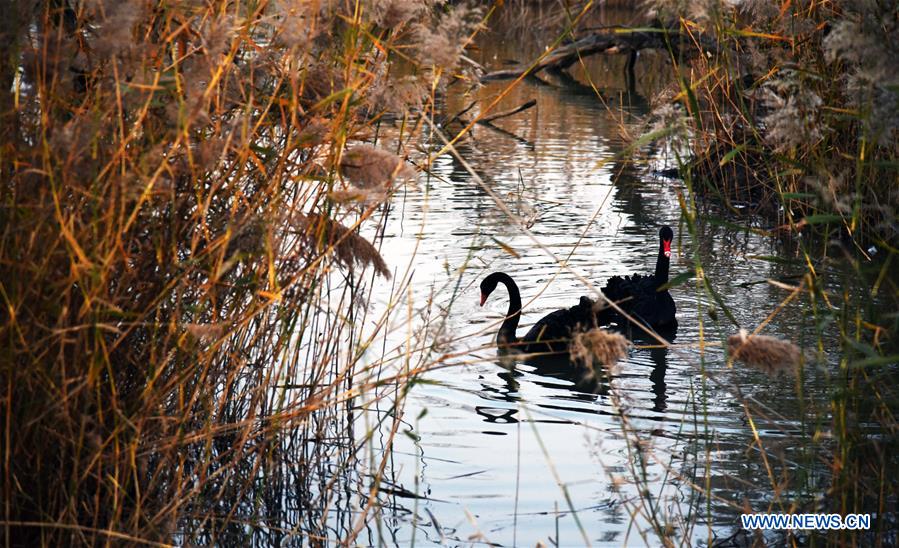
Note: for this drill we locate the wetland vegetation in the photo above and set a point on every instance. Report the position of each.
(241, 245)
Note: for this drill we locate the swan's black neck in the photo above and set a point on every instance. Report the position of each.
(662, 264)
(507, 330)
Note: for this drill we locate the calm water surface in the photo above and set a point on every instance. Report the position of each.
(510, 454)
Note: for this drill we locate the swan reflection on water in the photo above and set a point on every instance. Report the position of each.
(587, 385)
(659, 358)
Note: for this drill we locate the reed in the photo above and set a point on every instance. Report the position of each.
(183, 283)
(599, 347)
(791, 111)
(768, 354)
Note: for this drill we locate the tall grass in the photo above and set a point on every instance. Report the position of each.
(833, 451)
(791, 109)
(183, 278)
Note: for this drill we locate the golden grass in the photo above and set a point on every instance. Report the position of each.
(172, 326)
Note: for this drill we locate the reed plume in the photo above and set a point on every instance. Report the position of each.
(598, 346)
(767, 354)
(350, 249)
(368, 167)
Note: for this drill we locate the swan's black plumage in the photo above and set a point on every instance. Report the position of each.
(551, 334)
(639, 295)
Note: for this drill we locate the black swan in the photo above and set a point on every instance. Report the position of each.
(639, 295)
(551, 334)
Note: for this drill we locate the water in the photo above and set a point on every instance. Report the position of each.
(512, 454)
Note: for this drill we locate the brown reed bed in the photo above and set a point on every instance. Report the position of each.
(785, 109)
(790, 110)
(180, 355)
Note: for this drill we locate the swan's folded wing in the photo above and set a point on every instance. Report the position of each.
(621, 288)
(556, 328)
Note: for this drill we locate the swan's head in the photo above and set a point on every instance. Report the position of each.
(488, 284)
(666, 235)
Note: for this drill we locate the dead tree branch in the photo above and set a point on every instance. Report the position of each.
(510, 112)
(608, 41)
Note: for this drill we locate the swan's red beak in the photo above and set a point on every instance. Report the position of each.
(483, 299)
(666, 247)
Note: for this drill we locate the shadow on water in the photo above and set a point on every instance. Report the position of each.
(584, 383)
(660, 366)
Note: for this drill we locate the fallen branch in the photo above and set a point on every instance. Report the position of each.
(506, 113)
(461, 113)
(611, 41)
(487, 121)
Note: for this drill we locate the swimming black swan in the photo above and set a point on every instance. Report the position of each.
(552, 333)
(639, 295)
